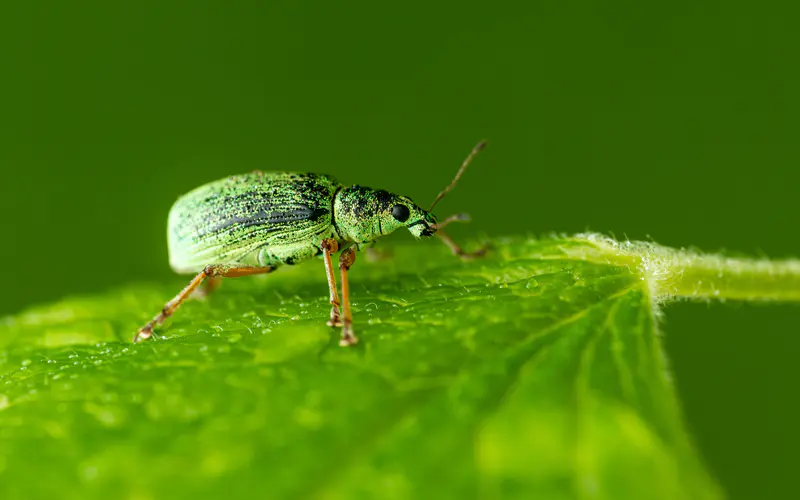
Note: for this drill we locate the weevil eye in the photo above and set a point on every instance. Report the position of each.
(400, 213)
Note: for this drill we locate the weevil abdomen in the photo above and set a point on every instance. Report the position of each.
(256, 219)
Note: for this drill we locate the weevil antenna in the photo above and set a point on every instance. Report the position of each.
(452, 218)
(477, 149)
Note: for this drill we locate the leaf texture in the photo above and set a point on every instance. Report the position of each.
(533, 373)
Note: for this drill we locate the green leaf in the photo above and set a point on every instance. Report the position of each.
(534, 373)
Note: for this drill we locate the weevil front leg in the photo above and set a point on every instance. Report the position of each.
(346, 260)
(329, 246)
(213, 272)
(457, 250)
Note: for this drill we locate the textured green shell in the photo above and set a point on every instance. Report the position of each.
(256, 219)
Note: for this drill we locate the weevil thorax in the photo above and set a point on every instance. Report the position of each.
(363, 214)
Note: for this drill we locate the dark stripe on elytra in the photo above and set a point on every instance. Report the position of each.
(268, 218)
(415, 223)
(383, 197)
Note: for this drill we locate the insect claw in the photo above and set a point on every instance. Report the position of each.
(143, 334)
(336, 317)
(348, 339)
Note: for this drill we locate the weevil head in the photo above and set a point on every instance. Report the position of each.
(364, 214)
(420, 222)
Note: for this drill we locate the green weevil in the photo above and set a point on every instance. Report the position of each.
(253, 223)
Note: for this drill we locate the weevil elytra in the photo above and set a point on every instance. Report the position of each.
(253, 223)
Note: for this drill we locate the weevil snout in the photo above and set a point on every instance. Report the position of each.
(422, 226)
(428, 231)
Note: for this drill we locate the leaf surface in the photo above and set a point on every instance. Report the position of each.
(534, 373)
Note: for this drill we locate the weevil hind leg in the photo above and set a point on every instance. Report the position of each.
(207, 288)
(214, 273)
(346, 260)
(457, 250)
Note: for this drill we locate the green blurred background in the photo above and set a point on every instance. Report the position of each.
(676, 122)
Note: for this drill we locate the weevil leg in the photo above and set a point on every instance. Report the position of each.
(376, 255)
(346, 259)
(208, 286)
(453, 218)
(212, 272)
(329, 246)
(457, 250)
